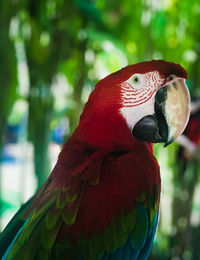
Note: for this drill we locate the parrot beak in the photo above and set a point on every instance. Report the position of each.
(176, 109)
(172, 111)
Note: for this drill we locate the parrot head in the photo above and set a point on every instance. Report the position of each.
(151, 97)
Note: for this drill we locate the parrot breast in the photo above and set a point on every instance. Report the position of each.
(118, 180)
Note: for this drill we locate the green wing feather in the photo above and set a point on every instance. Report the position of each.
(60, 207)
(114, 237)
(45, 224)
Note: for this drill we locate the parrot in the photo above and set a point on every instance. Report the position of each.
(101, 200)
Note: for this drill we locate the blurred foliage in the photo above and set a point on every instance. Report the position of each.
(54, 51)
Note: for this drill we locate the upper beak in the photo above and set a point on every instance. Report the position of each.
(172, 110)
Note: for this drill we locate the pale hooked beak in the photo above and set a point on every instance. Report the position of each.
(176, 109)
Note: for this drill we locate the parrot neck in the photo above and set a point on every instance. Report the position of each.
(94, 139)
(106, 130)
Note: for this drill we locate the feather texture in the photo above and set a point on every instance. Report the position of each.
(64, 222)
(101, 200)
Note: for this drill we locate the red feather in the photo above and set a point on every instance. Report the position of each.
(88, 153)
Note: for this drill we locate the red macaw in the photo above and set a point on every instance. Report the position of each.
(101, 200)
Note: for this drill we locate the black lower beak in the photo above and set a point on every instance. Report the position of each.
(153, 128)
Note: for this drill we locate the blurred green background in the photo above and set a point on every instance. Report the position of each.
(52, 53)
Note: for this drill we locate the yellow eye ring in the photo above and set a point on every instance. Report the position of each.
(136, 80)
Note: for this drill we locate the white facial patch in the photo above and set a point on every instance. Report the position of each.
(132, 114)
(138, 96)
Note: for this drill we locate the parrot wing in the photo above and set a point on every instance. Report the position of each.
(63, 221)
(7, 235)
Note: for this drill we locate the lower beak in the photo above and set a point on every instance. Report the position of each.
(172, 110)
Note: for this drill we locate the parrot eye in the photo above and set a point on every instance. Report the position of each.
(138, 80)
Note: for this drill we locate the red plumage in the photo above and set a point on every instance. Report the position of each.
(118, 187)
(93, 147)
(103, 175)
(102, 130)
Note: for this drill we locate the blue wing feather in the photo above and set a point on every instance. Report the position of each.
(149, 242)
(13, 241)
(140, 242)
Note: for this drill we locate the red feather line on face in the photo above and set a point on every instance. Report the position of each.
(136, 96)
